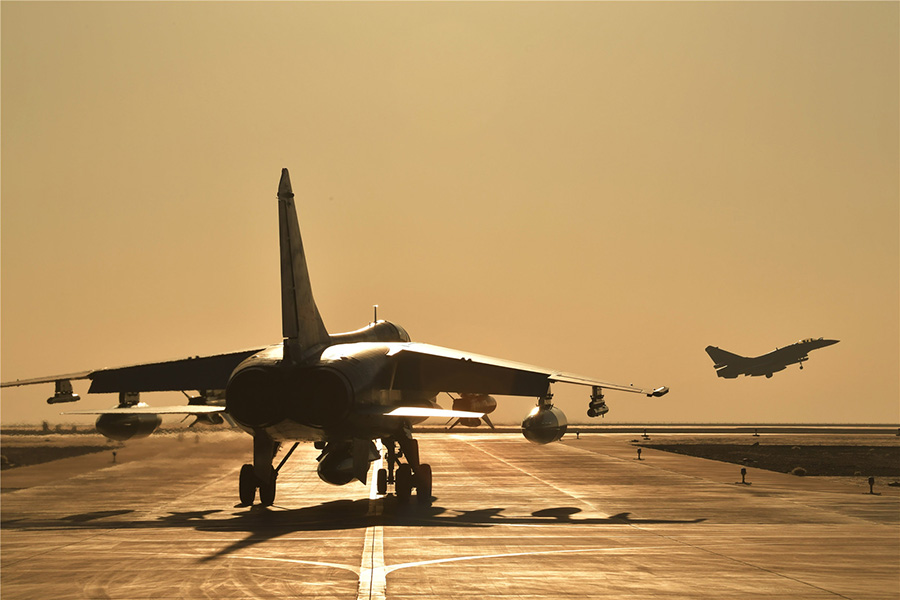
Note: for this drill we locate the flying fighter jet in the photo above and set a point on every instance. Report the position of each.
(343, 391)
(730, 365)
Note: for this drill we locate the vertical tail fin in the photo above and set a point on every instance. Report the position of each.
(723, 357)
(301, 323)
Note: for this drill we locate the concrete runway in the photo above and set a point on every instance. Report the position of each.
(581, 518)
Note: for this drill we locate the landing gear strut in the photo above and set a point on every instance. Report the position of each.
(405, 476)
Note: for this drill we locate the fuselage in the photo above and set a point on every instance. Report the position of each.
(338, 392)
(792, 354)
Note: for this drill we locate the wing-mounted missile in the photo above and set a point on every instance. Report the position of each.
(597, 406)
(206, 398)
(63, 393)
(479, 403)
(210, 419)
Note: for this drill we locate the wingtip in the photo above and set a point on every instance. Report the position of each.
(284, 186)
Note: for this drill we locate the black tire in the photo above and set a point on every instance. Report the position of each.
(403, 486)
(423, 485)
(381, 482)
(267, 491)
(247, 485)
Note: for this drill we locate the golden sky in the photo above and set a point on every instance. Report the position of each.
(601, 188)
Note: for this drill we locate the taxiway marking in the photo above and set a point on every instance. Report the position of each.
(569, 493)
(372, 573)
(618, 550)
(681, 543)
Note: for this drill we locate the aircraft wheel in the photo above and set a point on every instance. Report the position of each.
(247, 485)
(403, 486)
(267, 491)
(423, 485)
(381, 482)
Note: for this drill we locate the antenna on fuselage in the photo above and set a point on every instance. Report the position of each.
(375, 315)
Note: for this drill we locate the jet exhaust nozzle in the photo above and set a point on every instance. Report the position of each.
(255, 396)
(264, 396)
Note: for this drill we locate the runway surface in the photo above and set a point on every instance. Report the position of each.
(581, 518)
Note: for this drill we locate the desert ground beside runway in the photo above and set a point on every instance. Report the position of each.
(581, 518)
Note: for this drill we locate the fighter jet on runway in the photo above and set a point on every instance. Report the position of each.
(730, 365)
(341, 391)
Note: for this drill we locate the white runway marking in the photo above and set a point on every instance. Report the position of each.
(371, 571)
(567, 492)
(622, 550)
(297, 561)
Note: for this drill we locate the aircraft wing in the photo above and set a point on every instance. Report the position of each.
(48, 379)
(192, 409)
(197, 373)
(423, 366)
(419, 411)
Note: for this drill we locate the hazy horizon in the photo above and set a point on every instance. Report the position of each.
(599, 188)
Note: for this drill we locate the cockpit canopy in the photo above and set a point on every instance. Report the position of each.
(379, 331)
(393, 329)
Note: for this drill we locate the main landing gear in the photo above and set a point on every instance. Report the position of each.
(261, 475)
(406, 476)
(248, 485)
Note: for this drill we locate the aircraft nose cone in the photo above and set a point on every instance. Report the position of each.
(831, 342)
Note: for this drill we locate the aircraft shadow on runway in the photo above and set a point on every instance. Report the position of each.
(263, 524)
